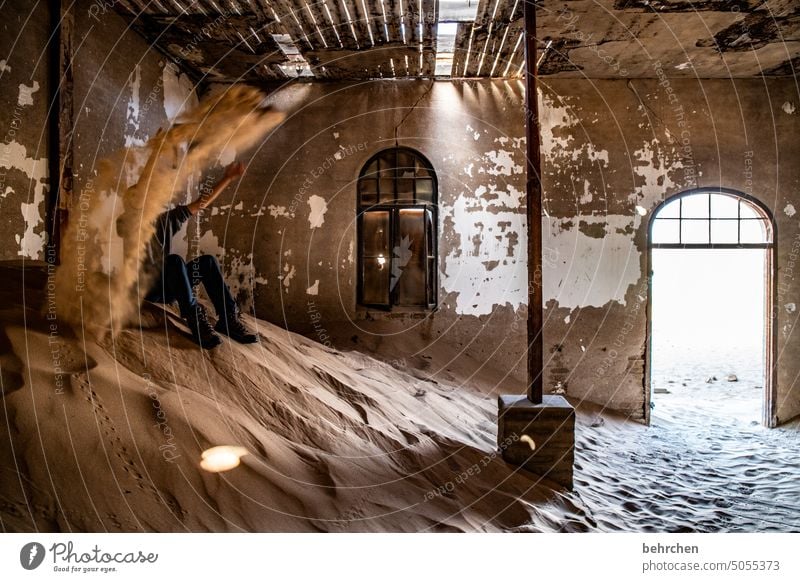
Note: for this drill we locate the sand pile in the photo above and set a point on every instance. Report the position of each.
(337, 442)
(108, 436)
(98, 292)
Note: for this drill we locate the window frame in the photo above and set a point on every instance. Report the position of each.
(763, 215)
(393, 207)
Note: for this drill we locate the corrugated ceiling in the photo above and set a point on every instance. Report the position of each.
(275, 40)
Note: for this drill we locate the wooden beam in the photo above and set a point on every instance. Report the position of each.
(61, 128)
(534, 205)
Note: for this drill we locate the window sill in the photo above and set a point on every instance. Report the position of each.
(394, 313)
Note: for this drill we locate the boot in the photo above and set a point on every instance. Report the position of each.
(234, 328)
(202, 332)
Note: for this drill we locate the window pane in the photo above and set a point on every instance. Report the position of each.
(371, 170)
(375, 266)
(665, 231)
(431, 252)
(670, 210)
(405, 190)
(425, 190)
(753, 231)
(748, 211)
(375, 233)
(724, 206)
(405, 165)
(387, 191)
(387, 164)
(724, 231)
(694, 231)
(369, 192)
(410, 259)
(375, 287)
(422, 171)
(694, 206)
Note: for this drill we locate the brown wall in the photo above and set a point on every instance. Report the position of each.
(119, 91)
(25, 93)
(606, 150)
(304, 277)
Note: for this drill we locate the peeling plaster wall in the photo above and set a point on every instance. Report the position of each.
(612, 151)
(118, 96)
(25, 92)
(124, 92)
(297, 216)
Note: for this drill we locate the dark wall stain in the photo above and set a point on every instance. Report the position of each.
(557, 58)
(596, 230)
(788, 67)
(753, 32)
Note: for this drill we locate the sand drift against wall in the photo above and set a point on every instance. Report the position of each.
(100, 289)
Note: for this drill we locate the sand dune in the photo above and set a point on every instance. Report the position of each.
(336, 441)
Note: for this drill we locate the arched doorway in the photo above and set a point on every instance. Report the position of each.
(710, 334)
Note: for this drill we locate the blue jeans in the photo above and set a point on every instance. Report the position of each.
(179, 278)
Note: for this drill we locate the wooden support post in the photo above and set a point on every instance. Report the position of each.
(534, 204)
(61, 125)
(536, 431)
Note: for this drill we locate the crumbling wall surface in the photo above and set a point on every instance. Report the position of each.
(25, 93)
(612, 150)
(118, 97)
(295, 213)
(124, 92)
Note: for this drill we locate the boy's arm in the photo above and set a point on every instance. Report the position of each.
(232, 172)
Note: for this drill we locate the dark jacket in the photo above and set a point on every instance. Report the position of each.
(167, 224)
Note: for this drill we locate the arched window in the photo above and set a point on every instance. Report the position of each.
(710, 218)
(397, 223)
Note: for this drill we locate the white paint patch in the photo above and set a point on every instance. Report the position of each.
(335, 135)
(132, 114)
(350, 251)
(227, 156)
(655, 163)
(789, 210)
(641, 210)
(503, 163)
(318, 207)
(4, 66)
(314, 289)
(597, 270)
(179, 93)
(586, 198)
(559, 147)
(468, 170)
(790, 307)
(14, 155)
(25, 97)
(276, 211)
(488, 263)
(789, 108)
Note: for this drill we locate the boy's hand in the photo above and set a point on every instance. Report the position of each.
(234, 170)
